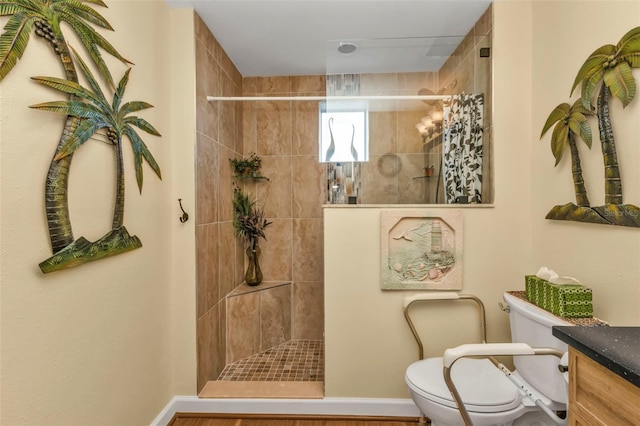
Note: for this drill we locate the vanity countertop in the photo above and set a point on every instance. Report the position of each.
(616, 348)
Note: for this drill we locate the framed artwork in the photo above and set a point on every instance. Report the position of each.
(421, 249)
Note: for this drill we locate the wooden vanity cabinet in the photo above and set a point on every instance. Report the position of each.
(598, 396)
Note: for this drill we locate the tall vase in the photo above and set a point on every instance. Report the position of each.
(253, 276)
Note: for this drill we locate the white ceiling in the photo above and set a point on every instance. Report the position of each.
(300, 37)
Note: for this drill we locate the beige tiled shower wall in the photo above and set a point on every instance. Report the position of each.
(396, 150)
(258, 318)
(285, 135)
(219, 257)
(398, 155)
(472, 74)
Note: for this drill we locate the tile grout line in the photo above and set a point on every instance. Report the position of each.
(296, 360)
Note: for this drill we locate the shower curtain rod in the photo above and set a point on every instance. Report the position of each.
(330, 98)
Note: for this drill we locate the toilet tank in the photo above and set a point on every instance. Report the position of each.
(532, 325)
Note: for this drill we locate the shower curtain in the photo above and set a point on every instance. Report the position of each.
(462, 148)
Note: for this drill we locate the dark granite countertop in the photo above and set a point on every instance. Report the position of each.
(616, 348)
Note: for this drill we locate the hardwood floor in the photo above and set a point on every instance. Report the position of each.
(284, 420)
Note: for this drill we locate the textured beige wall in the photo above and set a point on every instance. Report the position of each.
(183, 257)
(92, 344)
(368, 343)
(603, 257)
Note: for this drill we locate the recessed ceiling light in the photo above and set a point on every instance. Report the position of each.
(347, 48)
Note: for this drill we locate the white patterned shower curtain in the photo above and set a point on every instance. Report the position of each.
(462, 148)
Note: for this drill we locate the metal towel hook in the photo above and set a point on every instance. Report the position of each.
(185, 215)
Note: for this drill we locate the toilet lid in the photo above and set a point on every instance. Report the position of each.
(482, 387)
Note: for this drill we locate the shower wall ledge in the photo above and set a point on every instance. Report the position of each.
(244, 288)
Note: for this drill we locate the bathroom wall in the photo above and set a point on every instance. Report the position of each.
(219, 255)
(121, 332)
(285, 135)
(368, 343)
(183, 262)
(466, 72)
(603, 257)
(396, 151)
(398, 154)
(512, 238)
(94, 344)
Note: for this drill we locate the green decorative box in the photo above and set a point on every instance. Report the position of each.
(563, 300)
(538, 291)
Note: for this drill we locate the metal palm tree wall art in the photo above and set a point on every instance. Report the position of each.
(611, 66)
(87, 111)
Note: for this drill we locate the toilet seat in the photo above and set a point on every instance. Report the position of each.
(483, 387)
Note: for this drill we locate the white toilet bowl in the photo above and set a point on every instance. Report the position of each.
(491, 399)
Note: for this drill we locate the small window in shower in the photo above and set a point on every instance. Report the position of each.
(344, 131)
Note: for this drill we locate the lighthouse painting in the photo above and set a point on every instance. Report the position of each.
(421, 250)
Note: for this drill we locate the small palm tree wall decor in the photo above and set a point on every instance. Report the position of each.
(87, 111)
(609, 66)
(96, 113)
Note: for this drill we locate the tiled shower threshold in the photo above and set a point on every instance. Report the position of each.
(294, 369)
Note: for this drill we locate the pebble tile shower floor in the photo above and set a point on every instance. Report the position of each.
(295, 360)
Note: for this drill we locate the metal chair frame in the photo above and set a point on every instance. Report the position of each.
(481, 350)
(439, 297)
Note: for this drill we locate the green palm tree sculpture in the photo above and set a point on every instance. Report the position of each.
(95, 112)
(44, 17)
(612, 65)
(570, 122)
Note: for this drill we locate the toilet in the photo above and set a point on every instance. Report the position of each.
(490, 397)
